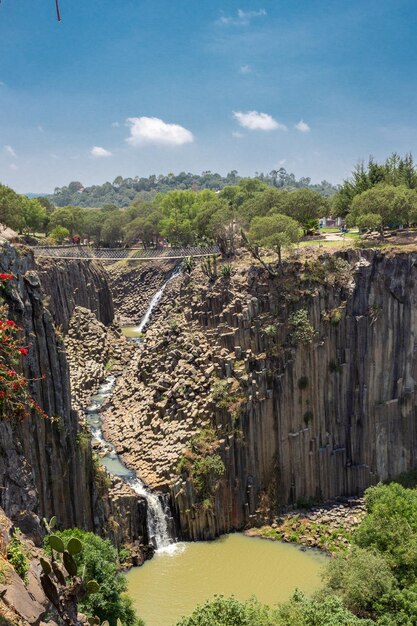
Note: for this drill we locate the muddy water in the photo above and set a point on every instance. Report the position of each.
(132, 332)
(174, 582)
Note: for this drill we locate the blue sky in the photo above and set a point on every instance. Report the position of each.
(135, 87)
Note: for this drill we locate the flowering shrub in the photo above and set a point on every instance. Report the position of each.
(15, 399)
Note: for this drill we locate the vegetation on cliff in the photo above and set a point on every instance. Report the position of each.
(15, 398)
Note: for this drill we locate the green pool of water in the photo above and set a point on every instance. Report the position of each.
(132, 332)
(173, 583)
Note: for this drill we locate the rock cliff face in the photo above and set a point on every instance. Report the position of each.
(322, 418)
(72, 283)
(133, 286)
(44, 468)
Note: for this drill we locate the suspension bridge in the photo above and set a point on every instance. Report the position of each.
(78, 252)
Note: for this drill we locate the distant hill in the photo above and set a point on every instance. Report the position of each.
(35, 195)
(123, 191)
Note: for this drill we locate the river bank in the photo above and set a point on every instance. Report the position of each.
(327, 527)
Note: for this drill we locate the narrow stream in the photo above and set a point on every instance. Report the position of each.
(158, 519)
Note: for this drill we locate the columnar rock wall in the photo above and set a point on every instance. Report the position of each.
(133, 286)
(45, 468)
(321, 419)
(69, 283)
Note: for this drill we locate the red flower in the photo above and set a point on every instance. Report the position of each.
(10, 323)
(24, 351)
(6, 277)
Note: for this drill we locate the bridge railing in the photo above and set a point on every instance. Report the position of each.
(119, 254)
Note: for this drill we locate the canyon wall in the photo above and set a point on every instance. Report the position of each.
(320, 418)
(70, 283)
(46, 468)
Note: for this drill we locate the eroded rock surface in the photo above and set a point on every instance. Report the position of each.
(318, 408)
(163, 397)
(133, 286)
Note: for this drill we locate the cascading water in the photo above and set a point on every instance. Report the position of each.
(158, 518)
(156, 298)
(158, 528)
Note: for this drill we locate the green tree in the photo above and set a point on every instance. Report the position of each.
(274, 231)
(368, 221)
(11, 208)
(143, 229)
(305, 206)
(93, 222)
(112, 229)
(392, 204)
(33, 214)
(46, 203)
(262, 203)
(69, 217)
(179, 211)
(59, 234)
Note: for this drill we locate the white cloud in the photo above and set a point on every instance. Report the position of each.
(237, 135)
(55, 156)
(13, 166)
(245, 69)
(257, 121)
(10, 151)
(242, 18)
(152, 130)
(115, 124)
(98, 152)
(302, 127)
(41, 128)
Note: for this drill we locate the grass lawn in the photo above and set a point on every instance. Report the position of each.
(322, 244)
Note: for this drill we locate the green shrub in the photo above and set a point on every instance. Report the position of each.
(220, 393)
(271, 330)
(206, 473)
(17, 555)
(226, 271)
(360, 579)
(301, 331)
(307, 417)
(101, 563)
(187, 265)
(299, 611)
(229, 612)
(323, 610)
(334, 368)
(390, 527)
(303, 382)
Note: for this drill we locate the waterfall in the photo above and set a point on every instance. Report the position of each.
(157, 518)
(157, 515)
(154, 301)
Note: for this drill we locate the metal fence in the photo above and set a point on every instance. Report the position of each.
(121, 254)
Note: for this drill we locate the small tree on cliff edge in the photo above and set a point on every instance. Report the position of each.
(274, 231)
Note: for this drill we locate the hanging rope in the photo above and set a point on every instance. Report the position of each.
(58, 14)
